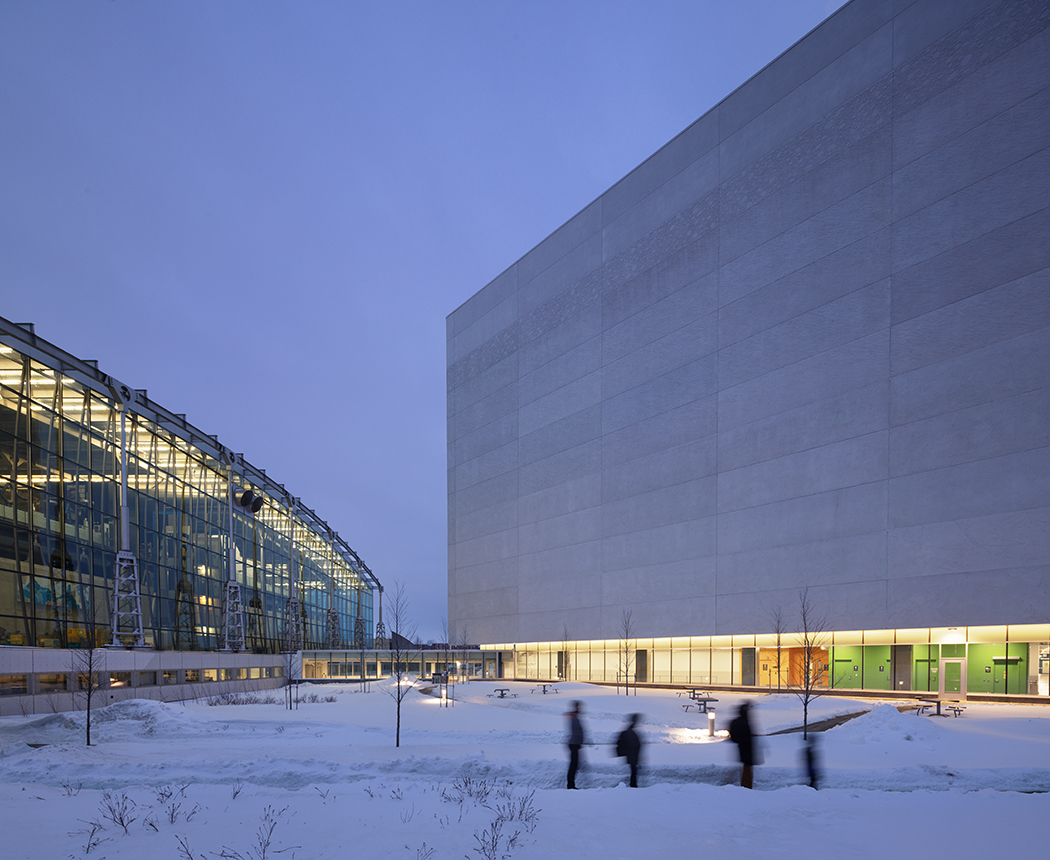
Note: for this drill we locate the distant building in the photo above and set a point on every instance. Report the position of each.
(804, 345)
(231, 568)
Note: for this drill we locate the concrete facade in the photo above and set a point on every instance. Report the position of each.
(807, 343)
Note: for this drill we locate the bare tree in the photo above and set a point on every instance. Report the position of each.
(289, 662)
(462, 644)
(566, 662)
(402, 649)
(776, 619)
(626, 651)
(812, 638)
(88, 665)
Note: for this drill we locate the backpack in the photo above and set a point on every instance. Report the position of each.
(620, 746)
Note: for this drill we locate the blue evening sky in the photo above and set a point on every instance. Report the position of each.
(262, 212)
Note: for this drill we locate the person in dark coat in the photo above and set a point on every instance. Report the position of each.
(629, 746)
(740, 733)
(811, 759)
(574, 742)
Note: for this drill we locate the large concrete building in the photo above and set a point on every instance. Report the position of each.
(804, 345)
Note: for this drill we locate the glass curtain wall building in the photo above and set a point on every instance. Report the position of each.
(61, 456)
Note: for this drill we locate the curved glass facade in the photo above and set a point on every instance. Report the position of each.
(60, 522)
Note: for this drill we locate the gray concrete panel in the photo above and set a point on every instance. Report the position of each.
(674, 503)
(679, 347)
(997, 257)
(794, 566)
(856, 364)
(564, 466)
(559, 531)
(576, 429)
(636, 478)
(672, 581)
(838, 322)
(497, 546)
(692, 539)
(554, 344)
(851, 414)
(863, 602)
(1014, 192)
(923, 22)
(996, 315)
(998, 143)
(485, 411)
(501, 488)
(696, 261)
(566, 497)
(567, 400)
(825, 516)
(851, 170)
(498, 461)
(554, 623)
(540, 571)
(486, 521)
(678, 232)
(559, 372)
(687, 305)
(1002, 541)
(970, 490)
(574, 593)
(676, 388)
(487, 382)
(1012, 78)
(981, 376)
(496, 434)
(966, 49)
(951, 599)
(831, 277)
(694, 420)
(840, 225)
(852, 462)
(823, 141)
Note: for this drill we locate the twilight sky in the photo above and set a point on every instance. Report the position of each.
(262, 212)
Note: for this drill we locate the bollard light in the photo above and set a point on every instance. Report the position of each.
(710, 724)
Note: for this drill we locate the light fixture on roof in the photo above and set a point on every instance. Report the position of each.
(248, 501)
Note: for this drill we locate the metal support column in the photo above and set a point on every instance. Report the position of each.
(232, 610)
(126, 617)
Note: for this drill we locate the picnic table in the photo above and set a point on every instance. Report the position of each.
(503, 693)
(546, 688)
(701, 699)
(955, 707)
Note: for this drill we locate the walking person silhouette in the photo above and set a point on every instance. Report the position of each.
(629, 746)
(574, 742)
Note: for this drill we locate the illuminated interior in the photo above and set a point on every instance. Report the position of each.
(1008, 660)
(60, 487)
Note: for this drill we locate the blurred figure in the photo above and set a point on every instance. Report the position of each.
(811, 760)
(740, 733)
(574, 742)
(629, 746)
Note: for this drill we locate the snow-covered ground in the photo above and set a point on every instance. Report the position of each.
(325, 781)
